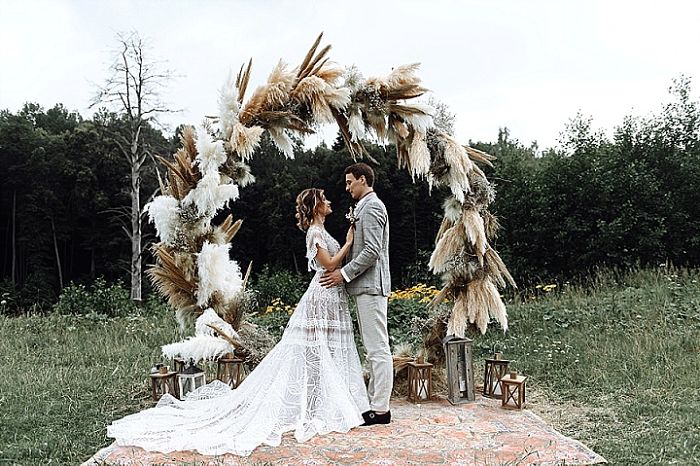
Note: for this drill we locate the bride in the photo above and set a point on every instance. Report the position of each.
(311, 382)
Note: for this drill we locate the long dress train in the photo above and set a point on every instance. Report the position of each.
(311, 383)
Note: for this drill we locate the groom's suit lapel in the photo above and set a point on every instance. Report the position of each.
(364, 204)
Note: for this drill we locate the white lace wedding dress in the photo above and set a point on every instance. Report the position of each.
(311, 383)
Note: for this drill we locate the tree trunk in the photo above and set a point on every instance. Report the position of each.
(296, 266)
(415, 232)
(14, 236)
(92, 263)
(58, 256)
(135, 235)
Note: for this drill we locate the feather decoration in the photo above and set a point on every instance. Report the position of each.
(491, 225)
(356, 126)
(209, 195)
(279, 84)
(331, 74)
(282, 141)
(217, 273)
(203, 325)
(210, 153)
(482, 302)
(198, 348)
(164, 212)
(189, 144)
(239, 172)
(444, 226)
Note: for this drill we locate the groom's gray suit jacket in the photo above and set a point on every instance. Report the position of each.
(368, 269)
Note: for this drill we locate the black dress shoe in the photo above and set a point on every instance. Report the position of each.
(371, 418)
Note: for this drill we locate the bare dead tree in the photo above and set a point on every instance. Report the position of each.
(133, 90)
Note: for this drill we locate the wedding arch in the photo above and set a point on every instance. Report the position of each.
(193, 269)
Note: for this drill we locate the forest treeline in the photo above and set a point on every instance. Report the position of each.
(596, 201)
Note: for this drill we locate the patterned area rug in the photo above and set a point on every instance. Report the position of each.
(479, 433)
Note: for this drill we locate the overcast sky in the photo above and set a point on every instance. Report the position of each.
(528, 65)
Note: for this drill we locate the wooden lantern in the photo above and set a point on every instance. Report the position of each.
(513, 391)
(420, 381)
(494, 370)
(163, 382)
(190, 379)
(229, 370)
(460, 371)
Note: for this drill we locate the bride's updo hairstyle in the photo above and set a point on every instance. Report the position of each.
(308, 202)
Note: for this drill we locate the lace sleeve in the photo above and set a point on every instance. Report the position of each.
(314, 240)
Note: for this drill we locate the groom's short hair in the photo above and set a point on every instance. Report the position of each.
(361, 169)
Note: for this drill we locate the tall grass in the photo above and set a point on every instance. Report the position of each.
(626, 349)
(618, 361)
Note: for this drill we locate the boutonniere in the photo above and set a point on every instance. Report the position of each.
(351, 216)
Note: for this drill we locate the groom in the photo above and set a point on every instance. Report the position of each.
(367, 278)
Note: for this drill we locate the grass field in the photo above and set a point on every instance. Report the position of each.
(615, 365)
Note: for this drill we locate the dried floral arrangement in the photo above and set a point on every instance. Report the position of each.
(193, 269)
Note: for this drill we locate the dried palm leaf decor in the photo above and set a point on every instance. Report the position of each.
(193, 269)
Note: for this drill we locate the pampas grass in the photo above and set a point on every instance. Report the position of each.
(479, 302)
(448, 246)
(418, 156)
(282, 141)
(476, 235)
(244, 140)
(229, 107)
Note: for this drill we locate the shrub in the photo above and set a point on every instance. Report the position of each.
(279, 284)
(407, 308)
(101, 298)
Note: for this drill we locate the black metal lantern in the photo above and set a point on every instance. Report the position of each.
(460, 371)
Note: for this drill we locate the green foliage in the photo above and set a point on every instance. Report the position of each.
(100, 298)
(271, 284)
(596, 201)
(402, 316)
(274, 322)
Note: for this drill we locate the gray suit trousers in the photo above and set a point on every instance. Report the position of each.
(371, 315)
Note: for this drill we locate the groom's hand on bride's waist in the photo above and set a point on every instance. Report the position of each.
(331, 279)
